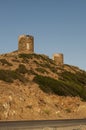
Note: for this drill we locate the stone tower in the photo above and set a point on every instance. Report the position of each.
(58, 58)
(26, 43)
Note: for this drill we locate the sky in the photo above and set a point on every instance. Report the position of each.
(58, 26)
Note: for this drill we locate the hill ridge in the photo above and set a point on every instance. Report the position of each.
(24, 77)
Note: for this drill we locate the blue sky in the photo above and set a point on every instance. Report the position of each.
(58, 26)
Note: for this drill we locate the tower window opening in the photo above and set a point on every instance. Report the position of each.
(28, 46)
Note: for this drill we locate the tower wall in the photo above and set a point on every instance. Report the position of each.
(26, 43)
(58, 58)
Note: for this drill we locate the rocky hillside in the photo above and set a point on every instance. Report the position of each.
(32, 86)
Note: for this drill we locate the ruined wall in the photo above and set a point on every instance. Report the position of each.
(58, 58)
(26, 43)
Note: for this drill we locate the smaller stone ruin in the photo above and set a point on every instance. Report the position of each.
(58, 58)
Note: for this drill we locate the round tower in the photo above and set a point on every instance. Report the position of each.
(26, 43)
(58, 58)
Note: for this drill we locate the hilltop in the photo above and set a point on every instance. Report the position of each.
(33, 86)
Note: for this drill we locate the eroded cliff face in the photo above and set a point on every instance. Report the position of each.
(33, 87)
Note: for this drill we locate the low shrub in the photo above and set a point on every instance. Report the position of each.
(29, 56)
(68, 110)
(61, 87)
(41, 70)
(5, 62)
(15, 60)
(46, 111)
(22, 69)
(11, 75)
(78, 78)
(51, 85)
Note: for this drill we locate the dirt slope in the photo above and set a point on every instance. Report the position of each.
(33, 87)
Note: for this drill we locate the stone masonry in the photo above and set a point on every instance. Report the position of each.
(26, 43)
(58, 58)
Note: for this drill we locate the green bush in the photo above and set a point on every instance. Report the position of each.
(5, 62)
(51, 85)
(41, 70)
(11, 75)
(22, 69)
(26, 57)
(46, 111)
(47, 65)
(29, 56)
(46, 61)
(38, 56)
(15, 60)
(78, 78)
(61, 87)
(68, 110)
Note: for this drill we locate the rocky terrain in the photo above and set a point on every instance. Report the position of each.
(33, 87)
